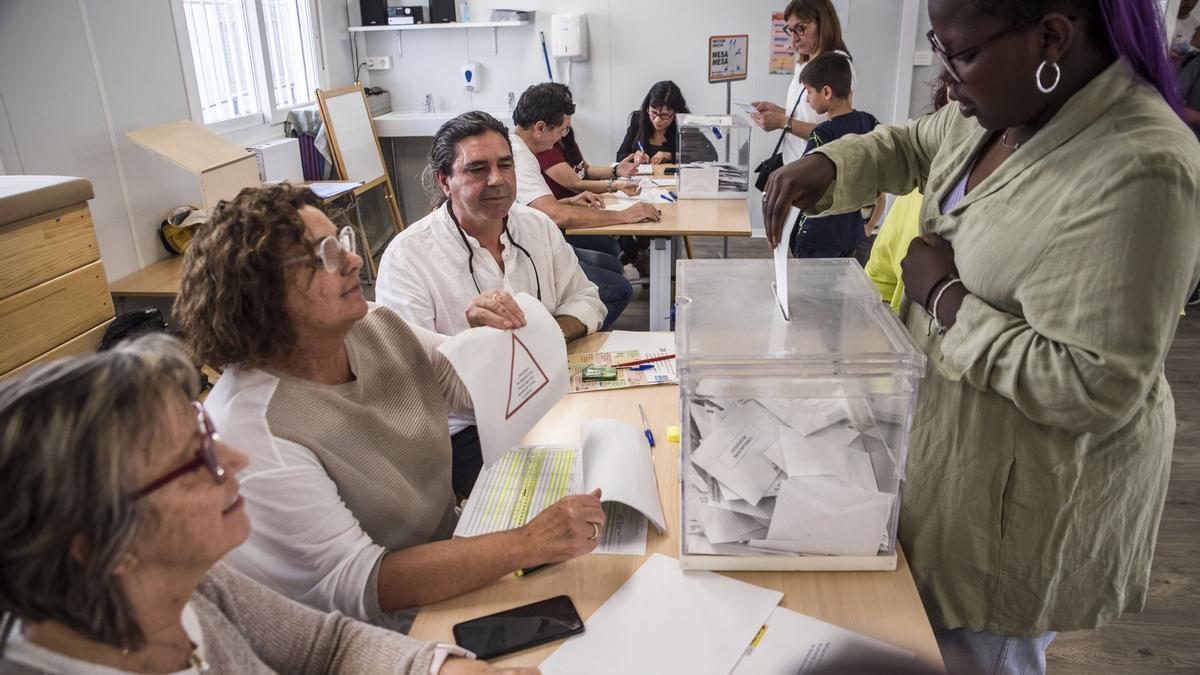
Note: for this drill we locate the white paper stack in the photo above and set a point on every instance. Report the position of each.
(788, 476)
(665, 620)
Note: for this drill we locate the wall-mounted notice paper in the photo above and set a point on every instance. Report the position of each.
(665, 620)
(514, 376)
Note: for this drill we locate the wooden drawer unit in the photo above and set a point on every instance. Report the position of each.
(43, 247)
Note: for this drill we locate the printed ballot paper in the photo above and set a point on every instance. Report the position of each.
(734, 452)
(614, 457)
(665, 620)
(797, 644)
(819, 514)
(514, 376)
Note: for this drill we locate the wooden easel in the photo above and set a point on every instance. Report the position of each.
(356, 151)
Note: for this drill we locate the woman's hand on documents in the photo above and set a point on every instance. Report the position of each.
(459, 666)
(497, 309)
(628, 166)
(628, 187)
(661, 157)
(800, 183)
(570, 527)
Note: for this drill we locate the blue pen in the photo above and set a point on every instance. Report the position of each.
(667, 198)
(717, 133)
(649, 436)
(644, 366)
(673, 195)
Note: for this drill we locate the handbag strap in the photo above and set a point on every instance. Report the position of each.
(784, 133)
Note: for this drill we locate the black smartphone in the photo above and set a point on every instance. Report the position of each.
(519, 628)
(670, 170)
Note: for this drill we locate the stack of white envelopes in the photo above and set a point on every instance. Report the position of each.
(815, 476)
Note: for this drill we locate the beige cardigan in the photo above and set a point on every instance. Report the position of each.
(251, 630)
(1042, 439)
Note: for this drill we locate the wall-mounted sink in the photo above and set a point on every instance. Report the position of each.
(416, 124)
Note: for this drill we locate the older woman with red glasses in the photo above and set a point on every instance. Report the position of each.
(120, 502)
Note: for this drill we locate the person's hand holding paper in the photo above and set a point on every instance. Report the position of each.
(495, 308)
(514, 377)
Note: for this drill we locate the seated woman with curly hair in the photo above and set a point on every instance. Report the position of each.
(120, 501)
(342, 411)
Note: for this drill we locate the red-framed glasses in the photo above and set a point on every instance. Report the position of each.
(205, 457)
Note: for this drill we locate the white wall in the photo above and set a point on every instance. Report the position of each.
(632, 44)
(76, 75)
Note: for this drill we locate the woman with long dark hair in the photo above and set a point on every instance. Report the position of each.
(652, 130)
(1058, 244)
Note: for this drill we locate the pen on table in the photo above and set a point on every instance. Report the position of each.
(639, 362)
(530, 570)
(667, 198)
(646, 425)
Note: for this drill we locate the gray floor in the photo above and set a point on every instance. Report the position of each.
(1165, 636)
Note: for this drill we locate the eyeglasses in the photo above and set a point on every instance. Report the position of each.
(327, 250)
(798, 30)
(205, 457)
(948, 59)
(656, 115)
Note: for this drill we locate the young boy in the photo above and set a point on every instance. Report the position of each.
(827, 83)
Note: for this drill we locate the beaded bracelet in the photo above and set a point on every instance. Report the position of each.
(933, 289)
(934, 321)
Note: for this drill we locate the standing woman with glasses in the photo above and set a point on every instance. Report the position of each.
(342, 411)
(120, 502)
(814, 28)
(1058, 244)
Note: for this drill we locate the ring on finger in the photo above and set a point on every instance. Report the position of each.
(595, 531)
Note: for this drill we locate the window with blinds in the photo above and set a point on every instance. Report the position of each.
(253, 59)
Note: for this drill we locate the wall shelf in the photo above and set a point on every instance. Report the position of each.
(432, 26)
(435, 26)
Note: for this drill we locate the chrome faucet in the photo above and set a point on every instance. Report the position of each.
(428, 103)
(512, 102)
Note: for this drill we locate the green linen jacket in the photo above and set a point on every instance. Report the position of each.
(1041, 443)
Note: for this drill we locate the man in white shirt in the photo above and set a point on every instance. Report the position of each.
(542, 117)
(459, 266)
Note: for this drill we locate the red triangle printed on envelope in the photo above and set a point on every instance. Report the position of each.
(525, 379)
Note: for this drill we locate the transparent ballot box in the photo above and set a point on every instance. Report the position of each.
(714, 156)
(795, 433)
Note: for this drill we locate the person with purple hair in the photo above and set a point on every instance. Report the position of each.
(1058, 244)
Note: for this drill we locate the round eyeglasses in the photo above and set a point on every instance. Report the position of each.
(327, 251)
(206, 457)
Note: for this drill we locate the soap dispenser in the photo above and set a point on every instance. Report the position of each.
(470, 73)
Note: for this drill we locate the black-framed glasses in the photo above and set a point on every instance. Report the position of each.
(327, 251)
(798, 30)
(948, 59)
(206, 457)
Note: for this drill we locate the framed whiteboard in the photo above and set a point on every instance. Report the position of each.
(351, 134)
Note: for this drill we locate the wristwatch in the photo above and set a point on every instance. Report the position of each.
(610, 184)
(614, 171)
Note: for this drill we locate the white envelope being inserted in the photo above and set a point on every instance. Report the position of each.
(734, 452)
(820, 515)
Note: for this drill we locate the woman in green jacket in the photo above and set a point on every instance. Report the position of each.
(1058, 245)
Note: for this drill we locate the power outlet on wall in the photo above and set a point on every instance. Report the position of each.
(379, 63)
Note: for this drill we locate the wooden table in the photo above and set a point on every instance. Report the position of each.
(883, 605)
(159, 280)
(684, 218)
